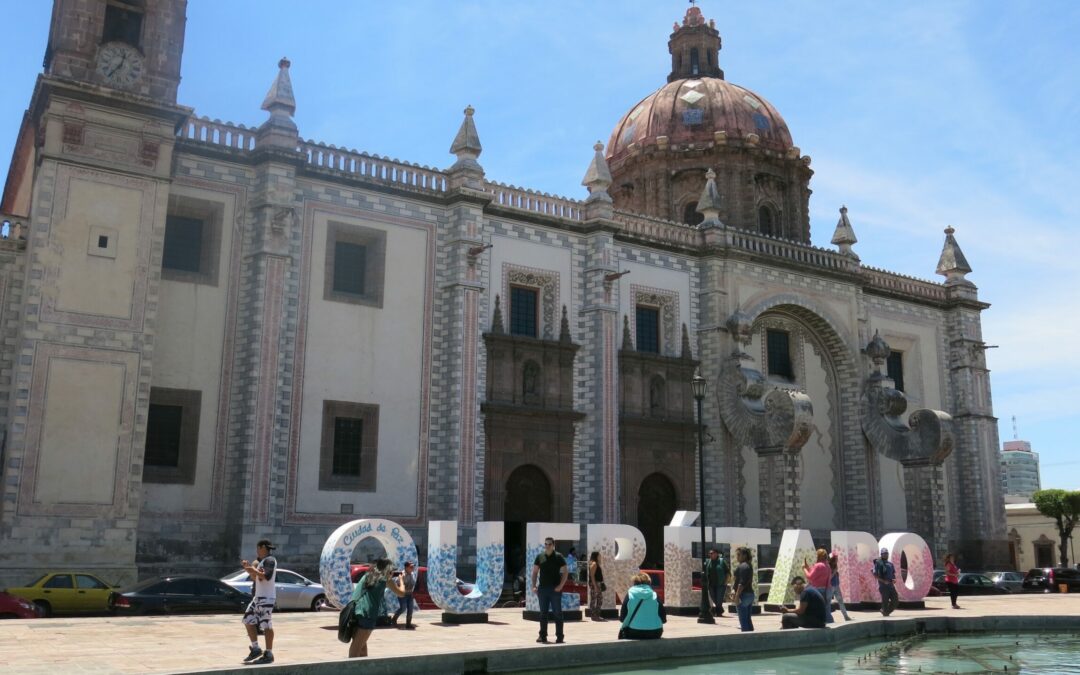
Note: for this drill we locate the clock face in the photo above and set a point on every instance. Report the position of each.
(120, 65)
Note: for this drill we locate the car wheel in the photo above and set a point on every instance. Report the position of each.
(44, 609)
(319, 603)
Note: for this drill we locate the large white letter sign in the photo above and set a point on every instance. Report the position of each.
(855, 553)
(535, 534)
(442, 568)
(749, 537)
(679, 561)
(622, 550)
(920, 564)
(796, 548)
(339, 547)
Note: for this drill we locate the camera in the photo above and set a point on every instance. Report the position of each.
(396, 573)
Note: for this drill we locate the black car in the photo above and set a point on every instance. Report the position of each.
(1048, 580)
(179, 594)
(978, 584)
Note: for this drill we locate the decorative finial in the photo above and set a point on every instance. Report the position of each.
(952, 264)
(686, 354)
(598, 178)
(709, 203)
(466, 171)
(627, 343)
(279, 131)
(496, 319)
(564, 327)
(878, 350)
(844, 235)
(280, 97)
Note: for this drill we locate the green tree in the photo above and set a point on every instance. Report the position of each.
(1064, 508)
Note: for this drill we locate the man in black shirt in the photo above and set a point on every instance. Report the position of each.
(811, 610)
(550, 567)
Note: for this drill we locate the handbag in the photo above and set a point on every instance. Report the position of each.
(603, 587)
(622, 628)
(347, 622)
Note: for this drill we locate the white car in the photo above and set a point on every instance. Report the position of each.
(294, 591)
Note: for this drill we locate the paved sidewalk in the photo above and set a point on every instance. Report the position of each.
(207, 643)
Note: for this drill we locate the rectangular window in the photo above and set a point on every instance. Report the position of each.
(172, 436)
(894, 365)
(355, 264)
(350, 261)
(778, 353)
(122, 24)
(524, 308)
(183, 244)
(348, 446)
(348, 456)
(192, 240)
(648, 329)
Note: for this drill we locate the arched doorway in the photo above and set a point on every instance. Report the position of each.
(656, 506)
(528, 499)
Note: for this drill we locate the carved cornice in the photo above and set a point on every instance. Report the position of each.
(926, 439)
(769, 418)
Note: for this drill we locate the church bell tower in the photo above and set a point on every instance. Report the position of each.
(91, 175)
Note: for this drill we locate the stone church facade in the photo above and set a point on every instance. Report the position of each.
(214, 332)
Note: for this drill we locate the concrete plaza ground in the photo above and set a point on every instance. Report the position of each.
(307, 642)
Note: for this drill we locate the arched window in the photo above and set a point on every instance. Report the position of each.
(657, 397)
(530, 383)
(695, 65)
(767, 222)
(691, 215)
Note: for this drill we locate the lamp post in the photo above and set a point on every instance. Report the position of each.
(700, 386)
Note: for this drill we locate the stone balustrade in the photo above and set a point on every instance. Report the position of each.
(537, 202)
(373, 167)
(658, 230)
(903, 285)
(216, 132)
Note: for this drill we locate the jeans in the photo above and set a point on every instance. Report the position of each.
(404, 605)
(718, 592)
(840, 602)
(889, 599)
(791, 620)
(550, 600)
(954, 590)
(826, 593)
(744, 609)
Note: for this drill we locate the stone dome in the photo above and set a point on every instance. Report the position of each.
(695, 110)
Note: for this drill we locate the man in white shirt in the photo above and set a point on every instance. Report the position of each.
(258, 614)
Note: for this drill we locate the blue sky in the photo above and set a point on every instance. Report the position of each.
(917, 114)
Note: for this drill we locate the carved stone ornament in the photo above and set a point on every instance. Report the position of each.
(769, 418)
(926, 439)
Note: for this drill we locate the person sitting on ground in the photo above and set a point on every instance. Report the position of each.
(643, 616)
(811, 610)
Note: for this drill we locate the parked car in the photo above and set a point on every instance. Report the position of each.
(572, 585)
(420, 594)
(14, 607)
(66, 593)
(1010, 581)
(179, 595)
(294, 591)
(1047, 580)
(978, 584)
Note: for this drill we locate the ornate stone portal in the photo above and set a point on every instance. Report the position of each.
(920, 446)
(775, 421)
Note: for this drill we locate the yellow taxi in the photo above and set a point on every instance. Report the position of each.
(66, 593)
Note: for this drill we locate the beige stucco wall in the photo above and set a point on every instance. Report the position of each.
(189, 355)
(536, 255)
(1025, 521)
(346, 360)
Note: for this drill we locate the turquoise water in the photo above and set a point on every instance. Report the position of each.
(998, 653)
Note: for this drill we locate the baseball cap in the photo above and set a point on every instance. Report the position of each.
(884, 551)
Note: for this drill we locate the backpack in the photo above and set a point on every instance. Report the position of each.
(347, 622)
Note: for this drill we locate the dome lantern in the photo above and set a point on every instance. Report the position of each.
(695, 47)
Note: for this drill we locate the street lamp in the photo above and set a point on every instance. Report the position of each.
(699, 385)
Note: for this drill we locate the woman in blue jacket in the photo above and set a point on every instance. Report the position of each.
(643, 616)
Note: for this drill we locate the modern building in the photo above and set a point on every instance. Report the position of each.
(1019, 470)
(216, 332)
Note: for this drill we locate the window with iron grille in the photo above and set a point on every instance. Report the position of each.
(183, 244)
(172, 436)
(894, 366)
(524, 311)
(647, 321)
(778, 353)
(348, 445)
(350, 267)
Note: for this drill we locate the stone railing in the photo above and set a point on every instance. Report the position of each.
(658, 229)
(13, 231)
(898, 283)
(787, 249)
(372, 167)
(216, 132)
(538, 202)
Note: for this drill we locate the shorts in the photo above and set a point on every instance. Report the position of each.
(258, 613)
(364, 623)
